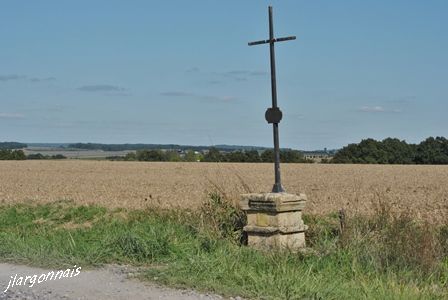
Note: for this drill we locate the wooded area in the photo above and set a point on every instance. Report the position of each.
(393, 151)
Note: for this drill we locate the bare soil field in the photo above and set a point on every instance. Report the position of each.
(419, 190)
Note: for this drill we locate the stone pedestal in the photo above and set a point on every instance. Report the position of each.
(274, 220)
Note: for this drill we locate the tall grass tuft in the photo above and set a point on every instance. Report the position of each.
(222, 217)
(388, 240)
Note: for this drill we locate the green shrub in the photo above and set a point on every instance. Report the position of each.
(6, 154)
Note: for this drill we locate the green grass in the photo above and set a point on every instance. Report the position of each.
(180, 249)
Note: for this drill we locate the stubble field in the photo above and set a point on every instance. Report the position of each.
(419, 190)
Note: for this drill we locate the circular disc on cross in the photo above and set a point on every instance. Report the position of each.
(273, 115)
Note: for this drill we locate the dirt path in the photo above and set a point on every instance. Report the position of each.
(111, 282)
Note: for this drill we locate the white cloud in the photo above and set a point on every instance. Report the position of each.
(101, 88)
(377, 109)
(372, 109)
(218, 98)
(207, 98)
(241, 75)
(36, 79)
(11, 116)
(192, 70)
(24, 77)
(11, 77)
(177, 94)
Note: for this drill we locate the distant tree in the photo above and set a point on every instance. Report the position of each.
(213, 155)
(190, 156)
(12, 154)
(398, 152)
(393, 151)
(252, 156)
(18, 155)
(368, 151)
(41, 156)
(171, 156)
(235, 156)
(130, 156)
(115, 158)
(348, 154)
(36, 156)
(150, 155)
(432, 151)
(267, 155)
(286, 156)
(291, 156)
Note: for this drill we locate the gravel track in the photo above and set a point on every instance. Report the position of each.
(111, 282)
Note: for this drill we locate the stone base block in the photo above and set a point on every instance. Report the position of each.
(281, 220)
(274, 220)
(275, 202)
(288, 241)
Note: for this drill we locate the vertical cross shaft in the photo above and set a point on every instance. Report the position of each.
(274, 115)
(278, 188)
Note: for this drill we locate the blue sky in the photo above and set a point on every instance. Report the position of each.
(181, 71)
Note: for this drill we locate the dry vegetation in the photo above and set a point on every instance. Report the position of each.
(419, 190)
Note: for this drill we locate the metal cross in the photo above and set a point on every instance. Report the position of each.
(274, 115)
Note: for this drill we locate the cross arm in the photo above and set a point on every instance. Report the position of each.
(289, 38)
(258, 42)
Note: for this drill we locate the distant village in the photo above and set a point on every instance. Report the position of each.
(117, 151)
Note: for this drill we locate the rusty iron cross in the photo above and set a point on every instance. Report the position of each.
(273, 114)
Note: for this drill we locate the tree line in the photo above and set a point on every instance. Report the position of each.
(286, 156)
(173, 147)
(41, 156)
(394, 151)
(213, 155)
(12, 145)
(8, 154)
(368, 151)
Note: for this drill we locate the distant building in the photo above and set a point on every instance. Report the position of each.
(317, 156)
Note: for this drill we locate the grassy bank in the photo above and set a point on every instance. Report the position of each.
(380, 257)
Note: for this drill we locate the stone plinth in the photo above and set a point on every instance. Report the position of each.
(274, 220)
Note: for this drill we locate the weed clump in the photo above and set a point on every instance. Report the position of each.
(222, 217)
(385, 241)
(141, 249)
